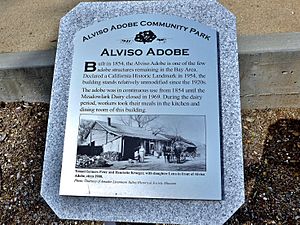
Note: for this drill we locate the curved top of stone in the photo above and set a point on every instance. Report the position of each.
(208, 12)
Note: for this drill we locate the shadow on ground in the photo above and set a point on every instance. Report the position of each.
(274, 197)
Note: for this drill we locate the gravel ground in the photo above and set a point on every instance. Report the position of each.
(271, 141)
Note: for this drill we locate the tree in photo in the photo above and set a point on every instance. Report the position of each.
(140, 121)
(84, 128)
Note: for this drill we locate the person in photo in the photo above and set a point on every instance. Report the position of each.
(164, 151)
(136, 156)
(142, 153)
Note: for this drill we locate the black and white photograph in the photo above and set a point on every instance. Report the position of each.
(142, 142)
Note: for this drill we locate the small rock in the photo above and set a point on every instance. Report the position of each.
(18, 175)
(2, 136)
(270, 138)
(296, 133)
(270, 189)
(250, 120)
(26, 105)
(18, 109)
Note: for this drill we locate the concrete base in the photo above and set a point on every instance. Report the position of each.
(270, 80)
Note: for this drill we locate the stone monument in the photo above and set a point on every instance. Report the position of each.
(224, 190)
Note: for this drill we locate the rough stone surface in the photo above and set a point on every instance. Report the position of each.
(207, 12)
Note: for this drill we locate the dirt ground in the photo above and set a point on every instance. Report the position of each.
(33, 24)
(271, 139)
